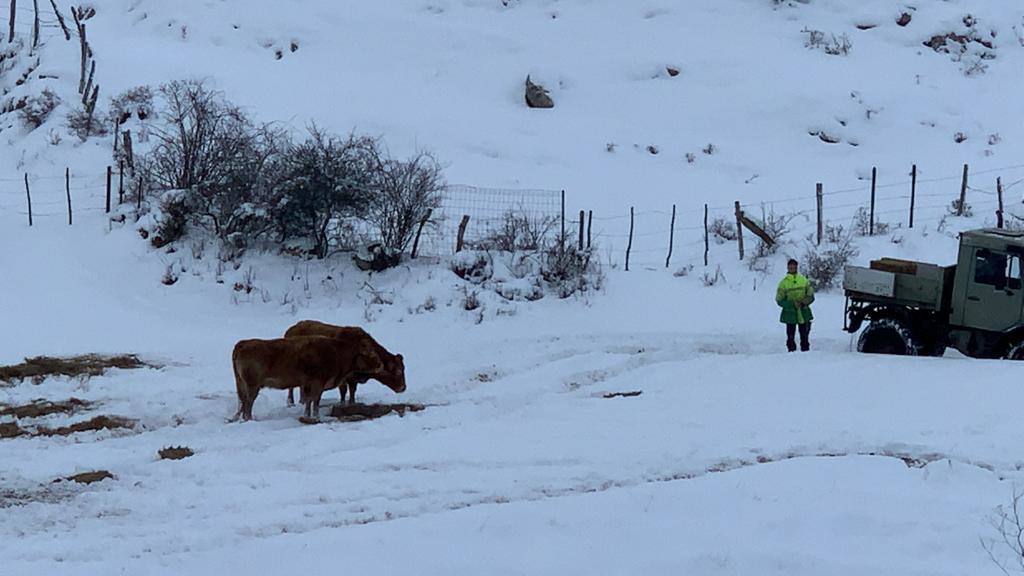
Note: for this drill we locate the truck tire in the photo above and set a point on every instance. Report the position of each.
(888, 336)
(1016, 351)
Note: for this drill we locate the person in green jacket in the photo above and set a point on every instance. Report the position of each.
(794, 296)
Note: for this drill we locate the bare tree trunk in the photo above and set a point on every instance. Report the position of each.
(84, 43)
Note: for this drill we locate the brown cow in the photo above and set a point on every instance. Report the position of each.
(347, 333)
(312, 363)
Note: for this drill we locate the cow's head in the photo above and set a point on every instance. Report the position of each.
(386, 368)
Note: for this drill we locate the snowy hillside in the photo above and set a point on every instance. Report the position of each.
(734, 458)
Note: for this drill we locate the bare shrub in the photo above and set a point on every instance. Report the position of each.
(1006, 546)
(776, 226)
(710, 280)
(135, 102)
(38, 108)
(722, 230)
(862, 224)
(956, 209)
(570, 270)
(824, 265)
(403, 191)
(830, 44)
(518, 231)
(81, 123)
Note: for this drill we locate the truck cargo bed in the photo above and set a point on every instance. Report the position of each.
(909, 283)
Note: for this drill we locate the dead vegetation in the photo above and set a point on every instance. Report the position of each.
(41, 407)
(87, 477)
(13, 430)
(358, 412)
(87, 365)
(175, 452)
(623, 394)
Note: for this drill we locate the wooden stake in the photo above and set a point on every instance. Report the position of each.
(963, 194)
(590, 226)
(35, 25)
(820, 195)
(671, 236)
(629, 246)
(120, 182)
(28, 195)
(999, 193)
(913, 192)
(707, 244)
(14, 13)
(739, 228)
(60, 18)
(88, 84)
(462, 233)
(561, 239)
(67, 189)
(110, 173)
(416, 242)
(871, 221)
(138, 198)
(84, 47)
(582, 215)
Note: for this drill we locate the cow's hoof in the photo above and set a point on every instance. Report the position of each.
(308, 420)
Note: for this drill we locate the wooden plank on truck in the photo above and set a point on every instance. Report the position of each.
(868, 281)
(895, 265)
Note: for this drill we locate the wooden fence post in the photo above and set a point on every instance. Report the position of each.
(138, 198)
(629, 246)
(671, 236)
(60, 19)
(871, 221)
(110, 173)
(120, 182)
(913, 192)
(459, 241)
(416, 242)
(999, 193)
(582, 216)
(14, 13)
(739, 228)
(820, 196)
(706, 243)
(67, 189)
(963, 194)
(28, 195)
(590, 226)
(35, 25)
(561, 239)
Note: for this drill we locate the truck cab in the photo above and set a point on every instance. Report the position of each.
(975, 306)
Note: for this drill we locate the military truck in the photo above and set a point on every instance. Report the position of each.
(917, 308)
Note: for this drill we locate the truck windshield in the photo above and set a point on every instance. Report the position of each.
(996, 269)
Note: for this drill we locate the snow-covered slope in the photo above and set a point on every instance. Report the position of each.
(736, 458)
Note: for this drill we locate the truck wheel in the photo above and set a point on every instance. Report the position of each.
(1016, 351)
(887, 336)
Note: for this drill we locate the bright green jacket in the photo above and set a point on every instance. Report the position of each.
(795, 295)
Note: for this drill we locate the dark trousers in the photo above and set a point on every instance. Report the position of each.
(805, 333)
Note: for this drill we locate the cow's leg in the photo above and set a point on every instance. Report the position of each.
(352, 392)
(291, 396)
(248, 403)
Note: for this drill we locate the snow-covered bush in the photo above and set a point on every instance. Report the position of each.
(722, 230)
(38, 108)
(135, 102)
(81, 122)
(832, 45)
(518, 231)
(862, 223)
(823, 265)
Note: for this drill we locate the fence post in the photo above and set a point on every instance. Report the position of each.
(120, 182)
(913, 192)
(590, 226)
(138, 198)
(416, 242)
(820, 196)
(462, 232)
(871, 221)
(14, 13)
(582, 215)
(739, 228)
(67, 189)
(671, 236)
(561, 239)
(110, 172)
(35, 25)
(629, 246)
(999, 193)
(28, 195)
(963, 194)
(706, 244)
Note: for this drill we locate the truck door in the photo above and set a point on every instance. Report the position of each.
(994, 295)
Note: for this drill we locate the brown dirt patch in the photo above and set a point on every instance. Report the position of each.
(623, 394)
(11, 430)
(87, 365)
(175, 453)
(357, 412)
(97, 423)
(88, 477)
(39, 408)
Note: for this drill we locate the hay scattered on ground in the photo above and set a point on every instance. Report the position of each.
(88, 477)
(97, 423)
(39, 408)
(357, 412)
(175, 453)
(86, 365)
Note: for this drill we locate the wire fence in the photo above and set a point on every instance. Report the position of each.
(469, 216)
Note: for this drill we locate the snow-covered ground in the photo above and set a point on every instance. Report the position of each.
(737, 458)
